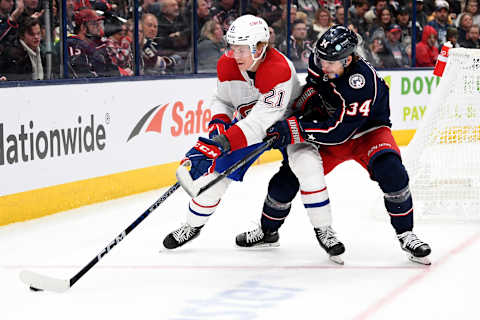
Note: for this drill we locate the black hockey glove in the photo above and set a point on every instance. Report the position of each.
(287, 131)
(312, 106)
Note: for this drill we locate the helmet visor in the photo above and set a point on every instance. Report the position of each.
(238, 51)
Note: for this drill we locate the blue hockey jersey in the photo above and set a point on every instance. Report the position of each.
(358, 103)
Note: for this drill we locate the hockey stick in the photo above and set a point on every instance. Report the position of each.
(194, 188)
(38, 282)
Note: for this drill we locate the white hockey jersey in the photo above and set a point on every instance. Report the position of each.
(257, 103)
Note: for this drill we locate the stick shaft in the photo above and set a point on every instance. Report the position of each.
(124, 233)
(267, 144)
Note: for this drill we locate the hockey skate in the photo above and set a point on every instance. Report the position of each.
(257, 239)
(182, 235)
(330, 243)
(417, 250)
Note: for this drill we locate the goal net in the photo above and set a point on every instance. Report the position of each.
(443, 158)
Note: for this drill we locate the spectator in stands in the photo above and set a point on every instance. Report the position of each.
(211, 46)
(9, 21)
(300, 47)
(146, 7)
(86, 49)
(203, 13)
(173, 32)
(322, 22)
(264, 9)
(380, 27)
(403, 20)
(70, 8)
(427, 50)
(440, 23)
(375, 53)
(273, 37)
(358, 12)
(397, 56)
(24, 60)
(331, 5)
(422, 16)
(310, 7)
(373, 15)
(452, 36)
(224, 12)
(32, 8)
(153, 62)
(302, 16)
(472, 39)
(465, 22)
(472, 7)
(339, 16)
(280, 26)
(118, 47)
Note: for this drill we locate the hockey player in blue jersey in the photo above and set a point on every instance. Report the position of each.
(344, 110)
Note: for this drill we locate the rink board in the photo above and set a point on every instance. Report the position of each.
(120, 138)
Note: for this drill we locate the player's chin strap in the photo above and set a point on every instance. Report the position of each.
(196, 187)
(261, 56)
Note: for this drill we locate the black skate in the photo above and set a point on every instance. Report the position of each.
(181, 236)
(417, 249)
(257, 239)
(330, 243)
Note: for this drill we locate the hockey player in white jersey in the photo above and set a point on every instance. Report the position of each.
(258, 84)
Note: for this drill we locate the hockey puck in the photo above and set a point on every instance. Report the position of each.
(35, 289)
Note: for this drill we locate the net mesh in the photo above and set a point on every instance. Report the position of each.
(443, 158)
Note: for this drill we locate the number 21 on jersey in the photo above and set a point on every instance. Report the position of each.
(364, 109)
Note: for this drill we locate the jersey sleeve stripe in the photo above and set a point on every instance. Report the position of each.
(313, 73)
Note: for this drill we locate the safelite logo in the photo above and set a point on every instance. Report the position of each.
(184, 122)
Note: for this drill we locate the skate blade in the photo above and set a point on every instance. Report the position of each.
(421, 260)
(261, 246)
(337, 259)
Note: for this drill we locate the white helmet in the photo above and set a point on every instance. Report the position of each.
(248, 30)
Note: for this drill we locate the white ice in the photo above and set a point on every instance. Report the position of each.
(212, 279)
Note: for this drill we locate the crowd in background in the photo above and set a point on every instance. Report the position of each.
(100, 33)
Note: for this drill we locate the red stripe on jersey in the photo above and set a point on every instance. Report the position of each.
(236, 137)
(216, 204)
(227, 70)
(312, 192)
(272, 71)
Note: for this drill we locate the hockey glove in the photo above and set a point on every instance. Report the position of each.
(216, 127)
(287, 131)
(312, 106)
(202, 157)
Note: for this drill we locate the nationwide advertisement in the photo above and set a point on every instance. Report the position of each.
(51, 135)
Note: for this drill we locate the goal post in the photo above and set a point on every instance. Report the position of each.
(443, 158)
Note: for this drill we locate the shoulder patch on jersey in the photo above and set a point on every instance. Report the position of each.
(274, 70)
(227, 70)
(356, 81)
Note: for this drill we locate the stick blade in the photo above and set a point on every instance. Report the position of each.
(185, 180)
(38, 281)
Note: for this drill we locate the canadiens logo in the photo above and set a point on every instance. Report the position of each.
(356, 81)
